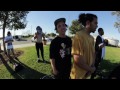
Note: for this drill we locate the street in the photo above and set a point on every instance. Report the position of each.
(20, 44)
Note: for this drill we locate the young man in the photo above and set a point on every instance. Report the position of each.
(60, 51)
(9, 39)
(39, 45)
(83, 50)
(99, 49)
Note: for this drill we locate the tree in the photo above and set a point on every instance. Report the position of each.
(12, 20)
(75, 27)
(48, 35)
(117, 24)
(52, 34)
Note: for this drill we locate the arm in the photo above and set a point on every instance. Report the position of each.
(35, 36)
(94, 54)
(101, 45)
(79, 61)
(77, 52)
(9, 41)
(52, 61)
(43, 35)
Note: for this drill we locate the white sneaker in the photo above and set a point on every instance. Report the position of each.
(38, 60)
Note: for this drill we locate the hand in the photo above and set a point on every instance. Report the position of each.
(102, 45)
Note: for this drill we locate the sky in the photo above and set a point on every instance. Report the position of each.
(46, 19)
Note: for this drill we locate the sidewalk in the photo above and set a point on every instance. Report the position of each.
(22, 45)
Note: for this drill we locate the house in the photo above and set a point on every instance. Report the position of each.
(111, 41)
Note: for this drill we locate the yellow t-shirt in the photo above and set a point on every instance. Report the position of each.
(83, 44)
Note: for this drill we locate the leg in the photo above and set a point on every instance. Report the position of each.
(13, 52)
(42, 50)
(66, 75)
(66, 72)
(8, 54)
(37, 50)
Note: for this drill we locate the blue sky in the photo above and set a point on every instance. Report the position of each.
(46, 19)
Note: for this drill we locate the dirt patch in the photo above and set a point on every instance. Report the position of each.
(17, 54)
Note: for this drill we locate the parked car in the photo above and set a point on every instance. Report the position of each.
(47, 39)
(17, 37)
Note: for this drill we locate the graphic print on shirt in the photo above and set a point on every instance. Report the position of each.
(62, 51)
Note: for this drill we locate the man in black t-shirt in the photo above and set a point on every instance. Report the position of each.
(60, 51)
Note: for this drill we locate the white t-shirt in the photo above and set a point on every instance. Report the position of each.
(103, 49)
(9, 44)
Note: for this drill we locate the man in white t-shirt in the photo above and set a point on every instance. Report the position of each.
(8, 40)
(100, 49)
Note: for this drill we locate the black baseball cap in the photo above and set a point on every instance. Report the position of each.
(59, 20)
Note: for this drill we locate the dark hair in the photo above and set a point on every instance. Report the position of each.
(38, 28)
(8, 32)
(100, 29)
(86, 17)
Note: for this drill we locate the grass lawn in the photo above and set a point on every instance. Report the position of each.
(34, 70)
(112, 59)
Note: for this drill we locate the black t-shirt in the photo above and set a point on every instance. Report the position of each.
(60, 50)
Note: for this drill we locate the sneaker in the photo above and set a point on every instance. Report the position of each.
(16, 58)
(38, 60)
(10, 61)
(44, 61)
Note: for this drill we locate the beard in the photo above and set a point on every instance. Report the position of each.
(93, 30)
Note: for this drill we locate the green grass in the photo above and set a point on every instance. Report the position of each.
(112, 59)
(34, 70)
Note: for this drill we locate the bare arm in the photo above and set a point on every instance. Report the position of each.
(52, 61)
(79, 60)
(35, 36)
(43, 35)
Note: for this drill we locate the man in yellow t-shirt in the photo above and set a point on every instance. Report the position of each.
(83, 50)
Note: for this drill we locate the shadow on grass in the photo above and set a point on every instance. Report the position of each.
(25, 73)
(106, 67)
(46, 61)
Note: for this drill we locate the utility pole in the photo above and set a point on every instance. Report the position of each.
(31, 29)
(14, 34)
